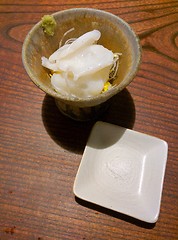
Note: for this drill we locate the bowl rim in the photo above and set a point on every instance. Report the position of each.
(90, 100)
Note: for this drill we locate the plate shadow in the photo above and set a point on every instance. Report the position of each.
(115, 214)
(73, 135)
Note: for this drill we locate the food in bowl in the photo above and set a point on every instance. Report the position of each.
(82, 68)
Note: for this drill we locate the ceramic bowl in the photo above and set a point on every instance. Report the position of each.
(116, 35)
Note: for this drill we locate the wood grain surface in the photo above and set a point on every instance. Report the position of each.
(40, 149)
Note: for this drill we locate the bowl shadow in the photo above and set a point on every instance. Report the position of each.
(73, 135)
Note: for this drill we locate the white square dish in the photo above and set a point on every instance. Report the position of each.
(123, 170)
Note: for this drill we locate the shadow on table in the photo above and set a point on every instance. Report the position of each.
(115, 214)
(72, 135)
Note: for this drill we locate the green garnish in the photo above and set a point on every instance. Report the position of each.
(48, 24)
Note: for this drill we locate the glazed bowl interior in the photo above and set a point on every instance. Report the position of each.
(116, 35)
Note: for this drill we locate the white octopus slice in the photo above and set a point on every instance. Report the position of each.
(50, 65)
(87, 86)
(85, 40)
(87, 61)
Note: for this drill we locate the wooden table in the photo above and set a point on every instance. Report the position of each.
(40, 149)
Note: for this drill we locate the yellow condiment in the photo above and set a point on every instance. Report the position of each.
(107, 86)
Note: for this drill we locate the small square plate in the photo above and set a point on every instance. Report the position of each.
(123, 170)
